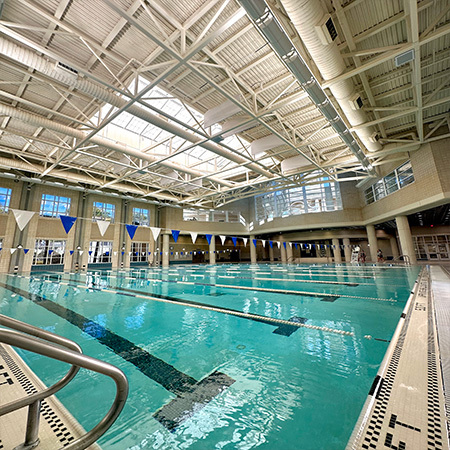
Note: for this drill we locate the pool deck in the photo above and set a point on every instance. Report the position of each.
(57, 426)
(405, 408)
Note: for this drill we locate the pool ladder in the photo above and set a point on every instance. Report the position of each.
(34, 339)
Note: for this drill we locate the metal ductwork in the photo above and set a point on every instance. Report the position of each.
(40, 121)
(273, 32)
(69, 77)
(306, 15)
(77, 178)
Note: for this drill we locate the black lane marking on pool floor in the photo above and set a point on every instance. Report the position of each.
(191, 394)
(221, 309)
(287, 330)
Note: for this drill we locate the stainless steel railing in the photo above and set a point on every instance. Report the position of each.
(406, 259)
(28, 337)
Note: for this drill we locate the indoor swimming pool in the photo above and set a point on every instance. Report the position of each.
(240, 356)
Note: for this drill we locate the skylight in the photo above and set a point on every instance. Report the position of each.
(139, 134)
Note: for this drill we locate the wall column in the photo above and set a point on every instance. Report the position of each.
(283, 253)
(394, 247)
(289, 253)
(336, 251)
(165, 250)
(373, 244)
(29, 201)
(271, 253)
(347, 250)
(406, 242)
(212, 250)
(252, 250)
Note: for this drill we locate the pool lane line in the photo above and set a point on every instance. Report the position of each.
(279, 291)
(195, 394)
(343, 283)
(322, 295)
(192, 304)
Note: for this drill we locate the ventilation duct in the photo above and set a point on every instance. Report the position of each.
(305, 15)
(219, 113)
(36, 62)
(77, 178)
(40, 121)
(235, 128)
(265, 143)
(291, 165)
(268, 25)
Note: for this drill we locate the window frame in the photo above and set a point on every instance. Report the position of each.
(107, 211)
(49, 258)
(56, 202)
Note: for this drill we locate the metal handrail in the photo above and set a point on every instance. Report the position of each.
(50, 345)
(406, 259)
(50, 337)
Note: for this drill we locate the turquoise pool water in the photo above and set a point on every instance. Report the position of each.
(249, 381)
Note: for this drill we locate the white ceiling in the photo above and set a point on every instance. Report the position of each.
(171, 61)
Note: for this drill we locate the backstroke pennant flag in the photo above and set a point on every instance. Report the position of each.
(102, 226)
(131, 230)
(254, 242)
(245, 241)
(222, 238)
(26, 250)
(284, 245)
(208, 238)
(12, 250)
(155, 231)
(67, 222)
(22, 217)
(279, 244)
(175, 234)
(71, 252)
(234, 239)
(263, 242)
(193, 236)
(271, 244)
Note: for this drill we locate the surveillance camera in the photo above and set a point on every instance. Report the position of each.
(16, 180)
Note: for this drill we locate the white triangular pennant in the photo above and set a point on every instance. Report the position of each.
(12, 250)
(263, 242)
(245, 241)
(102, 226)
(81, 252)
(279, 244)
(115, 253)
(129, 253)
(290, 244)
(193, 236)
(222, 238)
(22, 217)
(155, 232)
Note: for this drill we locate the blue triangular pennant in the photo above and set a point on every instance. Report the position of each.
(90, 252)
(50, 252)
(208, 238)
(71, 252)
(254, 242)
(131, 230)
(175, 234)
(234, 239)
(67, 222)
(271, 244)
(26, 250)
(295, 245)
(284, 245)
